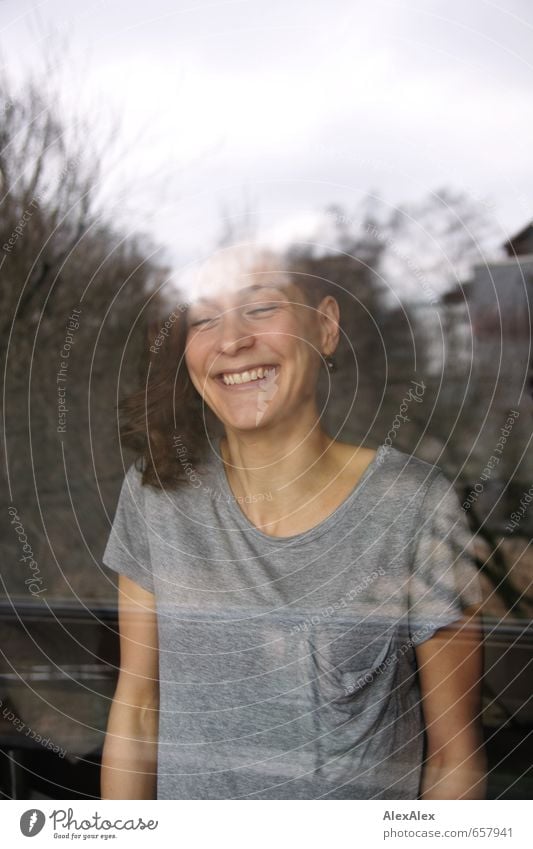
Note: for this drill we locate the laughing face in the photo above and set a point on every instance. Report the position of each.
(254, 345)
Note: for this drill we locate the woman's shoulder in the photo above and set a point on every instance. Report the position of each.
(414, 475)
(396, 474)
(394, 458)
(410, 462)
(196, 480)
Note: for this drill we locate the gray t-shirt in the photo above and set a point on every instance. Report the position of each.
(287, 665)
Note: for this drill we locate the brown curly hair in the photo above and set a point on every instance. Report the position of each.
(168, 402)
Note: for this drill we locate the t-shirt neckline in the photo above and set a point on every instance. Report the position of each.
(304, 536)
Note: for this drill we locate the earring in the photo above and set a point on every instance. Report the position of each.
(331, 364)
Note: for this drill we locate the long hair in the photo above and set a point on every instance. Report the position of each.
(165, 422)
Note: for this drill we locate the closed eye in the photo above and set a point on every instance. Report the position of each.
(200, 321)
(254, 311)
(262, 309)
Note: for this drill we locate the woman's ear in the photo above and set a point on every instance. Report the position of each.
(329, 318)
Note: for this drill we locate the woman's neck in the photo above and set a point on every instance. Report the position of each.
(278, 478)
(258, 460)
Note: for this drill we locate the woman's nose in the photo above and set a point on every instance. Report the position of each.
(233, 332)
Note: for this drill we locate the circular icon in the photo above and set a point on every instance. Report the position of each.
(31, 822)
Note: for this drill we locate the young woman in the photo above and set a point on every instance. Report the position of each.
(298, 615)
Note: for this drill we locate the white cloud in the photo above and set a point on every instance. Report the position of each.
(301, 103)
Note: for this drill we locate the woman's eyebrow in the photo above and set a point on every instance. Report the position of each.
(254, 287)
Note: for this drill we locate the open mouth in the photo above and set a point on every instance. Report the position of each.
(248, 379)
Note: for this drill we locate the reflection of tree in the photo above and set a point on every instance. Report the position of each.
(59, 252)
(429, 334)
(390, 334)
(62, 251)
(502, 568)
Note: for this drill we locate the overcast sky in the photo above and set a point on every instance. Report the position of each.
(285, 106)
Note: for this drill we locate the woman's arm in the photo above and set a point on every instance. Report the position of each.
(129, 757)
(451, 669)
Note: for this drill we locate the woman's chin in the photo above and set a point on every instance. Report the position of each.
(245, 422)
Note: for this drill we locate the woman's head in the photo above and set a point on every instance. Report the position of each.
(245, 308)
(256, 340)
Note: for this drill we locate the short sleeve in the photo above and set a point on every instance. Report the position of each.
(444, 576)
(127, 551)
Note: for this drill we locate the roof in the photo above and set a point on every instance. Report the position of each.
(512, 246)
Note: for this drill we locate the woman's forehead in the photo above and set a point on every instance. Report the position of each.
(229, 271)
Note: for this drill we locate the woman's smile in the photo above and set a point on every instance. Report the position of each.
(257, 378)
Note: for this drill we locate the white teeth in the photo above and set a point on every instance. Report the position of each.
(246, 376)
